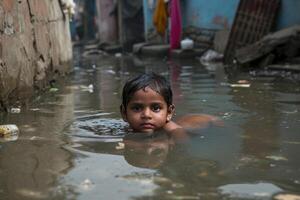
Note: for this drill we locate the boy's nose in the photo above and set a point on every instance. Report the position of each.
(147, 113)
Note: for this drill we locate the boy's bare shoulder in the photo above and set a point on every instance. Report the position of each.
(171, 126)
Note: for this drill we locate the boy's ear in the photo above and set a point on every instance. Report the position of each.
(171, 111)
(123, 113)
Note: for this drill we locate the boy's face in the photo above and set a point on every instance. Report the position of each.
(147, 111)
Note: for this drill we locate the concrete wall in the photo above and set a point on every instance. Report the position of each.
(107, 21)
(35, 45)
(288, 14)
(219, 14)
(213, 14)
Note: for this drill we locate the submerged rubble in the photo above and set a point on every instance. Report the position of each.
(279, 50)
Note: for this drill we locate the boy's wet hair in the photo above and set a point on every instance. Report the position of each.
(152, 80)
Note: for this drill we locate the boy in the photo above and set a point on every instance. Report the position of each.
(147, 107)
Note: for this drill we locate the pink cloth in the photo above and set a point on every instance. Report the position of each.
(176, 24)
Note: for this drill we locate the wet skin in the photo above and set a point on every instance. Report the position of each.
(147, 111)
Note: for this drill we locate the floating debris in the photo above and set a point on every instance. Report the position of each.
(118, 55)
(89, 88)
(120, 146)
(277, 158)
(249, 191)
(290, 112)
(291, 142)
(87, 184)
(110, 71)
(15, 110)
(53, 89)
(35, 109)
(9, 132)
(246, 85)
(31, 194)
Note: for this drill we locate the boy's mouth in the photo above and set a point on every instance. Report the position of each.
(147, 126)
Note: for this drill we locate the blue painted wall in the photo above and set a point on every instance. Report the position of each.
(289, 14)
(212, 14)
(219, 14)
(148, 13)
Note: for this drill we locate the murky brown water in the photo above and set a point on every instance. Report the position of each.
(69, 148)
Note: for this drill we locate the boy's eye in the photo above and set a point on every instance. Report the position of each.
(156, 108)
(136, 108)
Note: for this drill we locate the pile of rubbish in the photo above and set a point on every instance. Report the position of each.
(276, 51)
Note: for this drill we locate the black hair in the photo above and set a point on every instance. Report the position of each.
(156, 82)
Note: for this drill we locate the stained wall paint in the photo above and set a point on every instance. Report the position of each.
(288, 14)
(219, 14)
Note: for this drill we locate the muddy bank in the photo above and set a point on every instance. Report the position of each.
(35, 47)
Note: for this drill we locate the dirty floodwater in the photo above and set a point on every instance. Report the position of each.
(68, 146)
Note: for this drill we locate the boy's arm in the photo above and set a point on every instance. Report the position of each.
(196, 121)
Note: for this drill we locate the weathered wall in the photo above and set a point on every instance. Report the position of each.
(107, 21)
(213, 14)
(288, 14)
(35, 45)
(219, 14)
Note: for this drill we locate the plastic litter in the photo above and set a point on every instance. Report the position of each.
(246, 85)
(118, 55)
(187, 44)
(277, 158)
(211, 55)
(87, 184)
(15, 110)
(9, 132)
(91, 88)
(120, 146)
(53, 90)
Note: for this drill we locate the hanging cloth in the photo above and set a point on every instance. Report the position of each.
(160, 17)
(176, 24)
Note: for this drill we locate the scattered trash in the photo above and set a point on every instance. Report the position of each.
(9, 132)
(243, 82)
(240, 83)
(211, 55)
(227, 115)
(89, 88)
(247, 85)
(92, 52)
(15, 110)
(120, 146)
(87, 184)
(69, 7)
(169, 192)
(277, 158)
(53, 89)
(35, 109)
(118, 55)
(110, 72)
(290, 112)
(250, 191)
(292, 142)
(187, 44)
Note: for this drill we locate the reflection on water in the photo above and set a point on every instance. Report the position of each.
(74, 145)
